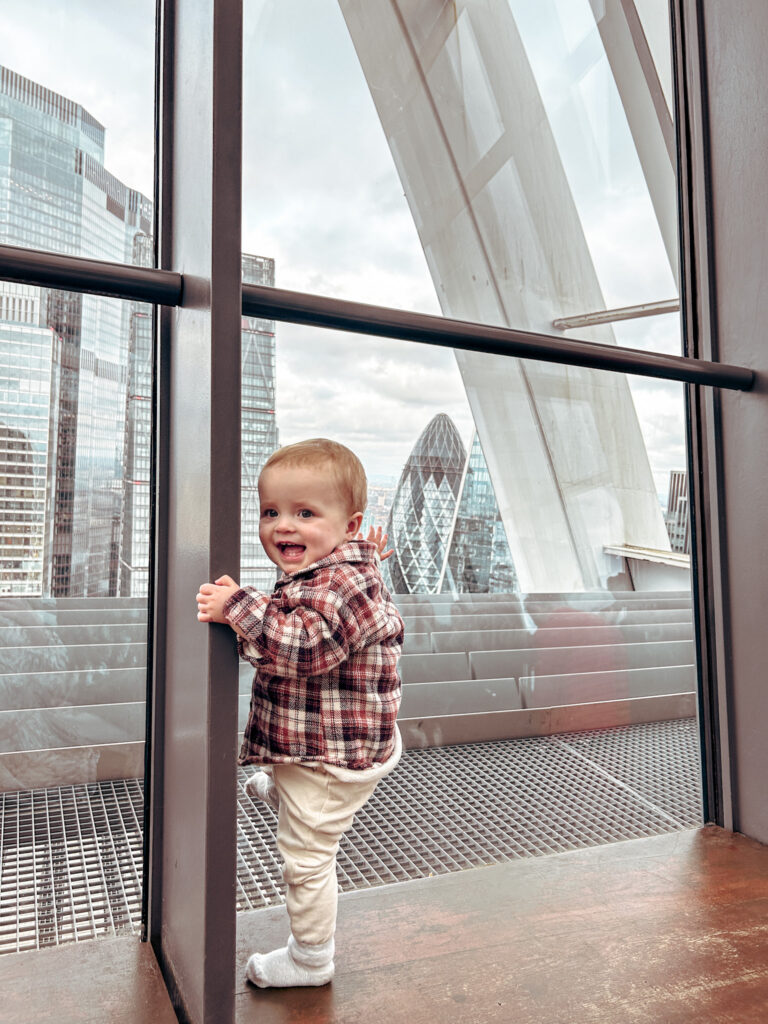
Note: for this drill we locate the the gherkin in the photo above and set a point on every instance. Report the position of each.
(424, 508)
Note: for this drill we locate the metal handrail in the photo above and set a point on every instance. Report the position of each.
(165, 287)
(99, 277)
(340, 314)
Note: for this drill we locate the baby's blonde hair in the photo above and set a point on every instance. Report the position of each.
(347, 469)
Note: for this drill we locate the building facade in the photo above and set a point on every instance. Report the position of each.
(134, 548)
(258, 424)
(56, 194)
(424, 509)
(26, 360)
(677, 517)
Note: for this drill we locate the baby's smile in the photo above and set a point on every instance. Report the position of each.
(290, 550)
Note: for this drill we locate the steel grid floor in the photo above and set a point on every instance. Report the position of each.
(71, 857)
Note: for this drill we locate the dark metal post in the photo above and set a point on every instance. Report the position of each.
(699, 317)
(193, 798)
(722, 136)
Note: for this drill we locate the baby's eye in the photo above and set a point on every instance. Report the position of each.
(268, 513)
(305, 513)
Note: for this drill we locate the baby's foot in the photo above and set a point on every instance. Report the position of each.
(295, 964)
(262, 786)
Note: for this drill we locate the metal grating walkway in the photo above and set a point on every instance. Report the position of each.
(71, 857)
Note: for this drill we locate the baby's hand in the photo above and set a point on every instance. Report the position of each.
(375, 536)
(211, 598)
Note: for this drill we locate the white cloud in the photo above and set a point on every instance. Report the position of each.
(101, 56)
(373, 395)
(660, 410)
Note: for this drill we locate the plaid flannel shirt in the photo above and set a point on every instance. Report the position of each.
(325, 645)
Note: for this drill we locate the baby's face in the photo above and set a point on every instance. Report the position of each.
(303, 516)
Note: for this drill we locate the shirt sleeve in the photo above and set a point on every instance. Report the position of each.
(306, 629)
(245, 609)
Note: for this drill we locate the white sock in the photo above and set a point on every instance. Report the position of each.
(262, 786)
(298, 963)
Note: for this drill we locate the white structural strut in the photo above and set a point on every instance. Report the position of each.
(472, 144)
(635, 35)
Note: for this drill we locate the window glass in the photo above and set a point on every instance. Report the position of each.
(76, 166)
(543, 576)
(75, 428)
(508, 163)
(511, 164)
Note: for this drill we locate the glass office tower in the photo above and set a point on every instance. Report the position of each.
(81, 525)
(479, 560)
(26, 358)
(134, 548)
(677, 516)
(56, 194)
(258, 426)
(424, 509)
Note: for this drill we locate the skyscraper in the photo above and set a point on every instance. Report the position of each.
(134, 548)
(676, 518)
(56, 194)
(258, 425)
(76, 370)
(479, 559)
(424, 508)
(26, 358)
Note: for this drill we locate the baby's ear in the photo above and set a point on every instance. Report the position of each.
(354, 524)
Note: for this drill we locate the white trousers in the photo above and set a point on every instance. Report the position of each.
(316, 809)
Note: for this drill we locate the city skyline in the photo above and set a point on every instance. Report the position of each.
(56, 192)
(76, 370)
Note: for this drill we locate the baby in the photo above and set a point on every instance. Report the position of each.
(326, 691)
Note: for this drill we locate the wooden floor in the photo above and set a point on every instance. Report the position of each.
(665, 930)
(105, 981)
(655, 931)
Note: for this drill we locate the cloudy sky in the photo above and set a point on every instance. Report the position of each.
(322, 198)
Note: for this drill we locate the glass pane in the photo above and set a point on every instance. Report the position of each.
(518, 156)
(77, 134)
(555, 694)
(74, 540)
(76, 159)
(321, 193)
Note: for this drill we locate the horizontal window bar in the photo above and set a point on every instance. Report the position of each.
(74, 273)
(612, 316)
(164, 287)
(320, 311)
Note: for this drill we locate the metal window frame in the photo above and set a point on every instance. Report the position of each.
(703, 413)
(168, 288)
(720, 91)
